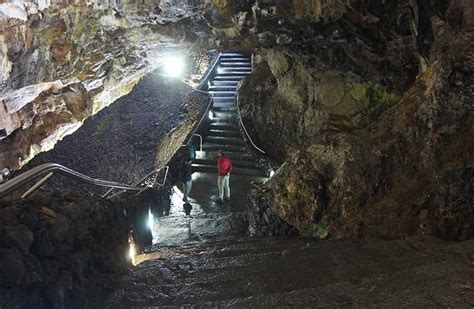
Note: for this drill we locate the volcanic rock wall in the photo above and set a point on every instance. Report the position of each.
(63, 63)
(372, 106)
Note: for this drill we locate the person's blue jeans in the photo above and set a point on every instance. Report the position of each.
(223, 186)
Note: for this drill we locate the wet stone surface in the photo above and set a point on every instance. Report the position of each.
(301, 272)
(208, 219)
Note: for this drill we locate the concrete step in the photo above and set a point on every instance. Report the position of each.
(235, 77)
(233, 126)
(235, 170)
(212, 155)
(235, 64)
(235, 58)
(229, 148)
(223, 104)
(235, 163)
(233, 70)
(231, 83)
(225, 115)
(224, 99)
(237, 67)
(228, 133)
(231, 73)
(242, 61)
(222, 93)
(230, 108)
(224, 88)
(224, 140)
(232, 54)
(239, 70)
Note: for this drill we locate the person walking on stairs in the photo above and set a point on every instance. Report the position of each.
(186, 177)
(224, 167)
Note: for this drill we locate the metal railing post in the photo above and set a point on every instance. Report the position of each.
(108, 192)
(200, 140)
(37, 185)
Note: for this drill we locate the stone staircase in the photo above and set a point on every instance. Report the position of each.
(224, 132)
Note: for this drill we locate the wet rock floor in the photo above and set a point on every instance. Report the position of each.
(206, 260)
(417, 272)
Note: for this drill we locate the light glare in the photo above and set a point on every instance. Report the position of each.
(132, 252)
(173, 66)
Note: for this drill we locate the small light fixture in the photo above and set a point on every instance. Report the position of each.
(272, 172)
(132, 253)
(173, 66)
(150, 219)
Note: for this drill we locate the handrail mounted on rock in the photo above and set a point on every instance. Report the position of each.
(47, 170)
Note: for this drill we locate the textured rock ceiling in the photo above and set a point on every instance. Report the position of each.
(61, 64)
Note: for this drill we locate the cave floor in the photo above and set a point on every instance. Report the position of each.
(417, 272)
(208, 220)
(206, 260)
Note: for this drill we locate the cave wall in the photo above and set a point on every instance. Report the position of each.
(63, 62)
(407, 173)
(372, 110)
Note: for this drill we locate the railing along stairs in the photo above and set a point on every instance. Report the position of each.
(49, 169)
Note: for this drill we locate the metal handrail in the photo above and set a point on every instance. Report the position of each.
(46, 169)
(209, 71)
(245, 129)
(200, 140)
(142, 182)
(201, 85)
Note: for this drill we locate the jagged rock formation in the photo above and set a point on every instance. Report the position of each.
(137, 134)
(372, 116)
(57, 250)
(62, 64)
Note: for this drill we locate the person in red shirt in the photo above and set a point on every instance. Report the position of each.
(224, 167)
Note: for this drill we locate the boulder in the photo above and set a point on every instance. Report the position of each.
(12, 268)
(41, 256)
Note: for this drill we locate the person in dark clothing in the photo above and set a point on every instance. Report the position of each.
(191, 150)
(187, 208)
(186, 177)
